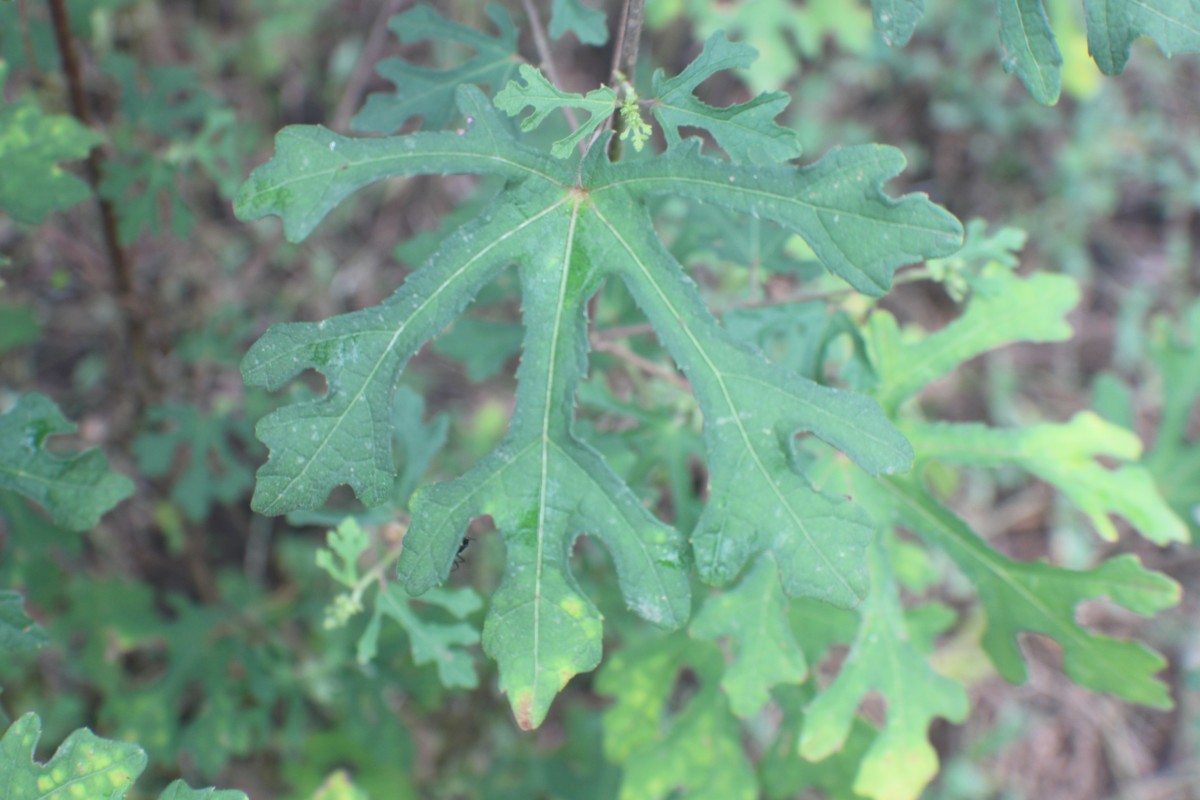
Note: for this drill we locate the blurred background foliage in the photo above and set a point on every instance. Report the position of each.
(187, 624)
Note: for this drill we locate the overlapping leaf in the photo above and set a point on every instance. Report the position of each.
(1065, 456)
(747, 131)
(1029, 48)
(83, 766)
(900, 761)
(544, 98)
(754, 616)
(589, 24)
(1113, 25)
(76, 491)
(568, 226)
(1039, 598)
(429, 93)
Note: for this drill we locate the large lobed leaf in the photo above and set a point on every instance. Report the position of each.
(84, 766)
(76, 491)
(568, 226)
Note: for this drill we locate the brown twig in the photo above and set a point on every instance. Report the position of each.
(624, 65)
(148, 385)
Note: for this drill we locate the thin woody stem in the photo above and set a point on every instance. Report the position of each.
(148, 384)
(624, 63)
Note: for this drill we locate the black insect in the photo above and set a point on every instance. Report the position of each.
(458, 557)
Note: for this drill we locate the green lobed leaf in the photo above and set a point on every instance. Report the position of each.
(900, 761)
(568, 227)
(753, 615)
(747, 131)
(32, 183)
(1030, 50)
(1065, 456)
(76, 491)
(1113, 25)
(442, 645)
(836, 204)
(785, 775)
(544, 98)
(1039, 598)
(315, 169)
(18, 633)
(84, 766)
(1004, 308)
(896, 19)
(588, 24)
(698, 751)
(430, 93)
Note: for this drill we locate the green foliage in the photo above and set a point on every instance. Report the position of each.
(562, 224)
(75, 491)
(83, 766)
(544, 98)
(18, 633)
(215, 471)
(429, 93)
(1031, 50)
(32, 143)
(588, 24)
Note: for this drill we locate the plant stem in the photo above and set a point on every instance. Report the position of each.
(624, 64)
(148, 385)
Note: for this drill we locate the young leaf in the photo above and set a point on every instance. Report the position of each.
(1039, 598)
(754, 615)
(588, 24)
(1004, 308)
(698, 753)
(32, 184)
(897, 19)
(747, 131)
(1064, 455)
(76, 491)
(568, 226)
(541, 95)
(433, 643)
(1113, 25)
(900, 762)
(1030, 48)
(430, 93)
(83, 766)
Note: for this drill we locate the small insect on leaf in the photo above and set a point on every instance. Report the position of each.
(458, 557)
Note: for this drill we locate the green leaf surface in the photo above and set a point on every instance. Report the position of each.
(442, 645)
(753, 615)
(836, 204)
(896, 19)
(1066, 457)
(568, 227)
(76, 491)
(544, 98)
(1113, 25)
(1003, 308)
(696, 752)
(747, 131)
(588, 24)
(18, 633)
(32, 182)
(785, 775)
(430, 93)
(900, 761)
(84, 766)
(1030, 50)
(1039, 598)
